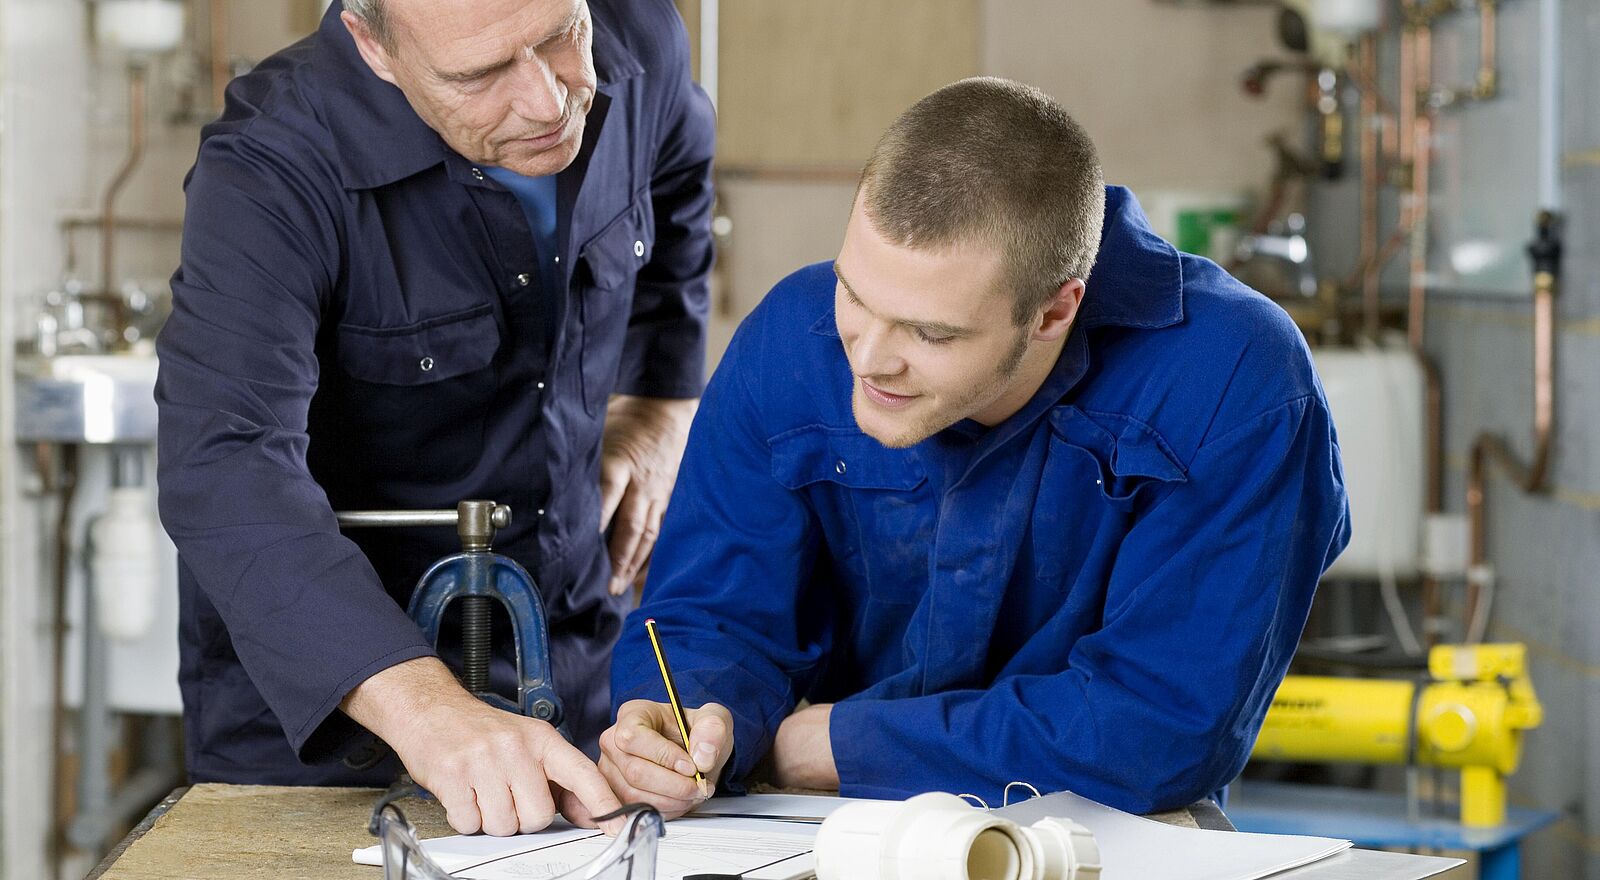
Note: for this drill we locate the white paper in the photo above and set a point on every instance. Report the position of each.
(1136, 848)
(758, 849)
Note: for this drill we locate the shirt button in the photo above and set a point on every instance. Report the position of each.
(427, 364)
(541, 511)
(558, 259)
(838, 466)
(541, 386)
(524, 279)
(638, 248)
(477, 174)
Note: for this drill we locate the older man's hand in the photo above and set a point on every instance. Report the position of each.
(644, 442)
(493, 771)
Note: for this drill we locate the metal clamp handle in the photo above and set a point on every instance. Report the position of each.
(475, 521)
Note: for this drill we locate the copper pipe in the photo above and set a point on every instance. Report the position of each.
(137, 224)
(1421, 160)
(1491, 449)
(108, 211)
(221, 69)
(1370, 302)
(1408, 89)
(1488, 36)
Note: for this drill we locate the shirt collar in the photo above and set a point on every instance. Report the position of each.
(1137, 280)
(380, 138)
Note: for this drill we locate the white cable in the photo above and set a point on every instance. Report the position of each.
(1478, 627)
(1388, 583)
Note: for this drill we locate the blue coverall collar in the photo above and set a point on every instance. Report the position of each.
(381, 139)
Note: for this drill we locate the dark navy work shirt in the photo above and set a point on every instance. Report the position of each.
(1099, 594)
(359, 321)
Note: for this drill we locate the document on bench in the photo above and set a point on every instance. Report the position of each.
(1135, 848)
(770, 837)
(757, 849)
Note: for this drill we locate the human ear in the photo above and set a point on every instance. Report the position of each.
(371, 48)
(1062, 310)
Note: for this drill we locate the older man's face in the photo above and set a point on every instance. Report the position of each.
(504, 82)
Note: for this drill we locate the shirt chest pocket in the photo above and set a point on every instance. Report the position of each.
(611, 261)
(1103, 469)
(873, 504)
(1127, 460)
(418, 396)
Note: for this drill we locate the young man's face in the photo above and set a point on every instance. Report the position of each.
(504, 82)
(929, 336)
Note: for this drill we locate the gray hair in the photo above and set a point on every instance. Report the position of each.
(373, 14)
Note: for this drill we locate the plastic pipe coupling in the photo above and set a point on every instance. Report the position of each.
(939, 836)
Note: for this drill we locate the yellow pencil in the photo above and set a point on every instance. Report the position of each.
(672, 697)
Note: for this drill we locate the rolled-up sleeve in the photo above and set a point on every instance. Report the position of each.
(664, 351)
(1161, 705)
(307, 614)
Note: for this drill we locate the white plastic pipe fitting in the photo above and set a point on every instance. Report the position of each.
(939, 836)
(127, 565)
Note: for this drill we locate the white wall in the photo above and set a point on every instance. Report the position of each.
(63, 133)
(44, 100)
(1156, 84)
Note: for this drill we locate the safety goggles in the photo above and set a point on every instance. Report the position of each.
(631, 855)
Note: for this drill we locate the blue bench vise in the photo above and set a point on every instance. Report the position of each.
(478, 577)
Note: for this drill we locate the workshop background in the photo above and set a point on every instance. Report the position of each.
(1377, 167)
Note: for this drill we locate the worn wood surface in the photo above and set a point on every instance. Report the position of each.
(246, 832)
(243, 832)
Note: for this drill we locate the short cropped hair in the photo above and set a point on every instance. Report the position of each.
(1000, 162)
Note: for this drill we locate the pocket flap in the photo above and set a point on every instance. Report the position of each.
(1126, 446)
(615, 254)
(418, 354)
(817, 454)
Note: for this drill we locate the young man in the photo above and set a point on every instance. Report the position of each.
(994, 516)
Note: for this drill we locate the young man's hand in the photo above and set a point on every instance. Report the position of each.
(493, 771)
(643, 758)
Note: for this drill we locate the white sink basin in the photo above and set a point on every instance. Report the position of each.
(87, 399)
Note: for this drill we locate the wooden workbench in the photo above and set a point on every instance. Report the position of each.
(246, 832)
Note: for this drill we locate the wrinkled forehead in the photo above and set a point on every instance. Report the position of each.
(450, 34)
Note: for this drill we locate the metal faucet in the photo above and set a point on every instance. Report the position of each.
(1290, 247)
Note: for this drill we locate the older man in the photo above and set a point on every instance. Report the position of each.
(430, 250)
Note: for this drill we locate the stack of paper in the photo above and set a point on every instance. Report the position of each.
(769, 837)
(1135, 848)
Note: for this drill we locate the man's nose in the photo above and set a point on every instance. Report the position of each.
(874, 351)
(540, 95)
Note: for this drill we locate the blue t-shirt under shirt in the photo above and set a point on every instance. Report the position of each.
(538, 198)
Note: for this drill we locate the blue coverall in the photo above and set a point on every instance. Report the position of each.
(360, 321)
(1099, 594)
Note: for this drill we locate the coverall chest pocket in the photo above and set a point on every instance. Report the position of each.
(1129, 462)
(611, 261)
(873, 505)
(1103, 469)
(417, 396)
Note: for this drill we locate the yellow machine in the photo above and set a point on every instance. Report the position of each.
(1471, 716)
